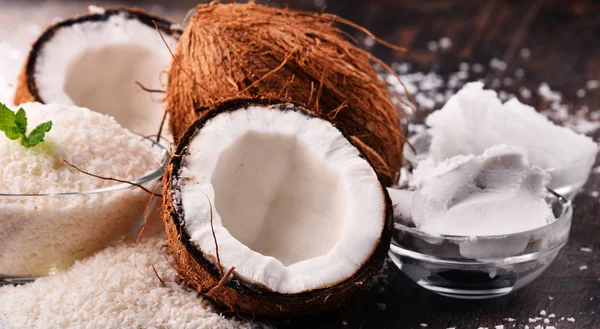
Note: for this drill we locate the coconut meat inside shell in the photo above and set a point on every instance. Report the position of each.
(94, 64)
(294, 205)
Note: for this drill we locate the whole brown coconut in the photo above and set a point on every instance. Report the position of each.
(230, 51)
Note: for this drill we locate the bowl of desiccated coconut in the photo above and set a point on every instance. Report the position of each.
(73, 182)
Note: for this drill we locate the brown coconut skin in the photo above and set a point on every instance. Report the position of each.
(27, 90)
(230, 51)
(237, 294)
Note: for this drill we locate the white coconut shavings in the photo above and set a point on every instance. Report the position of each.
(585, 249)
(431, 91)
(592, 84)
(445, 43)
(583, 267)
(96, 10)
(116, 288)
(432, 46)
(525, 52)
(497, 64)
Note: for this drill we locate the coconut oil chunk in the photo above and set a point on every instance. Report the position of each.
(496, 193)
(475, 119)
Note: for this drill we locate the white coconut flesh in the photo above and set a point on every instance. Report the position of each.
(294, 205)
(94, 64)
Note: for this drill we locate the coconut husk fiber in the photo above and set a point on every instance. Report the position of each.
(230, 51)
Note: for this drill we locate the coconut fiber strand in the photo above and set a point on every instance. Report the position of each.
(248, 50)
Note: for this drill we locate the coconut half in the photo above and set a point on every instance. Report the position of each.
(297, 212)
(94, 61)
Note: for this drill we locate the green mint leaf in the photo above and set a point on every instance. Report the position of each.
(12, 132)
(21, 121)
(37, 134)
(7, 117)
(14, 125)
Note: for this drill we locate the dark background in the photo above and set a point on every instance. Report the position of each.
(564, 39)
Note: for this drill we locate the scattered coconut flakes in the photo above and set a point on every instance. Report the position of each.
(344, 323)
(550, 327)
(552, 315)
(525, 92)
(423, 325)
(542, 312)
(497, 64)
(592, 84)
(519, 73)
(477, 68)
(595, 194)
(510, 319)
(581, 93)
(445, 43)
(116, 288)
(548, 94)
(499, 326)
(381, 306)
(539, 327)
(526, 327)
(583, 267)
(525, 52)
(546, 320)
(571, 319)
(586, 249)
(432, 46)
(369, 42)
(550, 297)
(96, 10)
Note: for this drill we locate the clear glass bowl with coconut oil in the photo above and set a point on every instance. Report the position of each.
(480, 267)
(42, 234)
(564, 180)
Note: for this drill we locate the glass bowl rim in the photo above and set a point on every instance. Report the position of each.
(117, 187)
(567, 215)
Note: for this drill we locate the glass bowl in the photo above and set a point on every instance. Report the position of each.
(564, 180)
(41, 234)
(484, 266)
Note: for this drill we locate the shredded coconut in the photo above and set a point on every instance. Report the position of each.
(116, 288)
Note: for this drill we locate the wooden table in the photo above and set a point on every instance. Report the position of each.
(564, 40)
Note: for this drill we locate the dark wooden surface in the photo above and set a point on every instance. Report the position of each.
(564, 38)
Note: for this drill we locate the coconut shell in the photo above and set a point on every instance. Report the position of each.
(27, 89)
(230, 51)
(236, 294)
